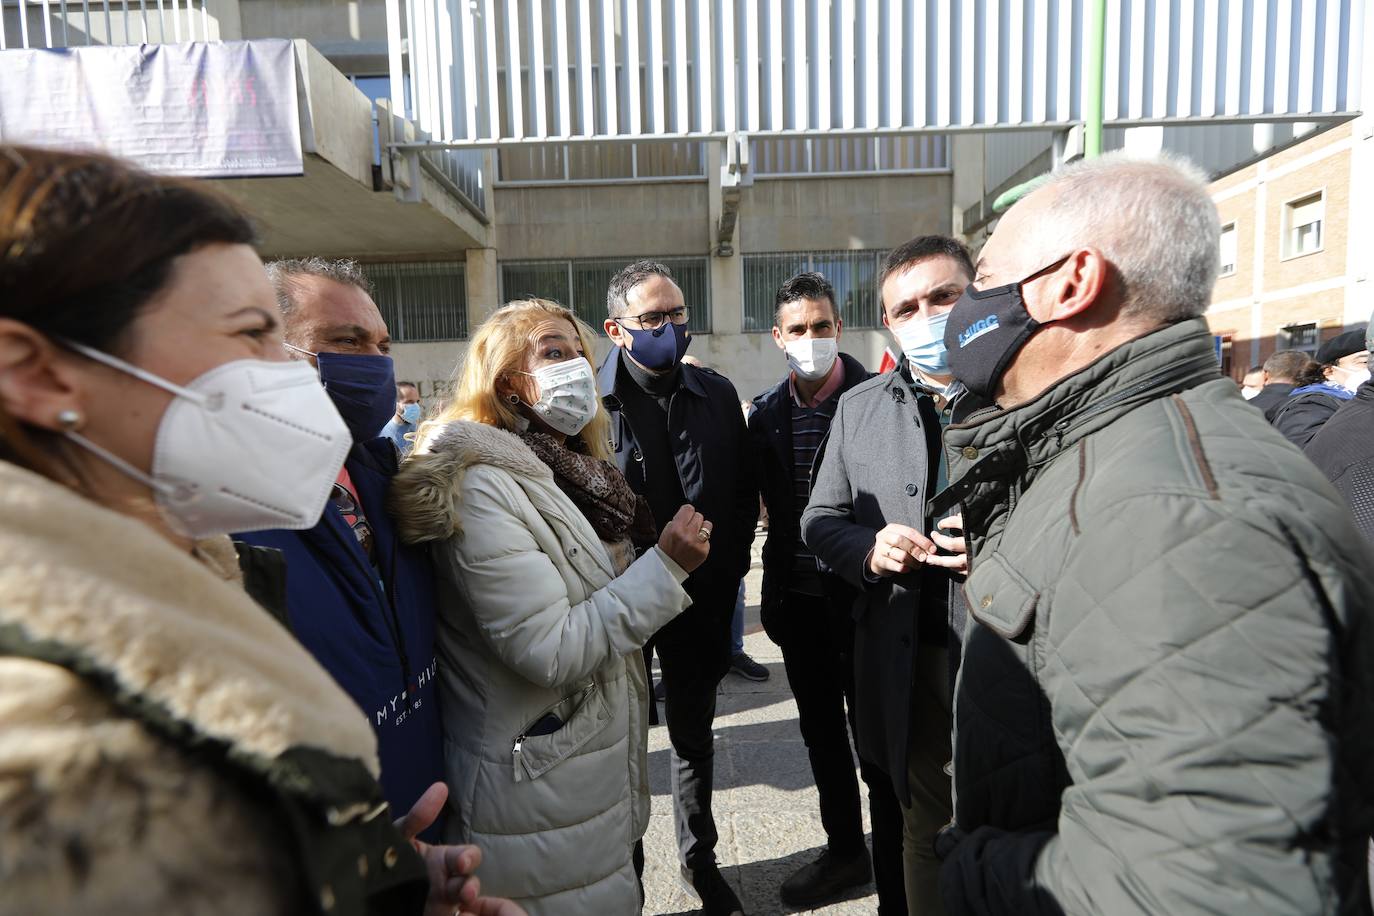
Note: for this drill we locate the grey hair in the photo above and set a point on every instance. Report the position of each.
(1153, 219)
(627, 279)
(283, 272)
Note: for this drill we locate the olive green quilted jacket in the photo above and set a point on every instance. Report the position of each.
(1166, 701)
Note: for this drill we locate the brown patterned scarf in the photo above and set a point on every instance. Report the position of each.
(597, 488)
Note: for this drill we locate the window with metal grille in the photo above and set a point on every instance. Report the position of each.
(1303, 337)
(581, 285)
(422, 301)
(854, 274)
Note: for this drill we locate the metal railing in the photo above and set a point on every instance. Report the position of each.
(496, 72)
(63, 24)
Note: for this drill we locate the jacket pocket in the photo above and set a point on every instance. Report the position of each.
(999, 597)
(585, 715)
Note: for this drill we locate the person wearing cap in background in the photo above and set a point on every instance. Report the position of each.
(1343, 449)
(1342, 365)
(401, 427)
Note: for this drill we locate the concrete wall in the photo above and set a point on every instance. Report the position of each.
(322, 21)
(332, 210)
(679, 218)
(592, 221)
(846, 213)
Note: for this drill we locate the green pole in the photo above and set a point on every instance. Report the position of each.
(1096, 38)
(1097, 44)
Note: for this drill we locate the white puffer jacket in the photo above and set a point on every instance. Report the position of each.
(536, 617)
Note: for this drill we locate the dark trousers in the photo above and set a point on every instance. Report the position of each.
(693, 661)
(817, 649)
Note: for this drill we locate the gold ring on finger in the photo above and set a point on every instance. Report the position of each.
(704, 533)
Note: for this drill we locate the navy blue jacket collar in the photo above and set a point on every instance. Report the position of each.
(608, 377)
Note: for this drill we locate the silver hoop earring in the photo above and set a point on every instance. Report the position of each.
(69, 419)
(513, 398)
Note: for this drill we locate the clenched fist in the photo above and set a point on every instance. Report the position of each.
(687, 539)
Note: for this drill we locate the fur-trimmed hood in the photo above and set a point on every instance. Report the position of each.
(424, 495)
(176, 632)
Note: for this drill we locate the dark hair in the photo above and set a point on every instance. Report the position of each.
(809, 285)
(627, 279)
(1312, 373)
(400, 385)
(86, 241)
(921, 248)
(1286, 365)
(1258, 367)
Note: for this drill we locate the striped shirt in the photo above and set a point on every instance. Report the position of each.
(809, 428)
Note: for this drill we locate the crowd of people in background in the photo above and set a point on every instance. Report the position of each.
(272, 640)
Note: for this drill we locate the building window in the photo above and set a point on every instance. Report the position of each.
(854, 274)
(423, 301)
(1303, 337)
(1302, 225)
(581, 285)
(1228, 250)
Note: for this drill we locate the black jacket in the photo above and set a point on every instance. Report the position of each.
(1302, 415)
(708, 437)
(876, 471)
(264, 578)
(770, 440)
(1344, 451)
(1271, 398)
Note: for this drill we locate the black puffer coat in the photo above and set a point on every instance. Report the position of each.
(1344, 451)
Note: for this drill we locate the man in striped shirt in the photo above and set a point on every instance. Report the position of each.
(806, 611)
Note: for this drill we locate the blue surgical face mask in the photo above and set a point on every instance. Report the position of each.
(363, 389)
(660, 349)
(411, 413)
(923, 342)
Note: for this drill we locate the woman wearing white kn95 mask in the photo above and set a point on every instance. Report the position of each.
(169, 745)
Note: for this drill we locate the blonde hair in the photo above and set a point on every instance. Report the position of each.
(497, 350)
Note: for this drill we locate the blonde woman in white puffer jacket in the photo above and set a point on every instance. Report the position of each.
(543, 609)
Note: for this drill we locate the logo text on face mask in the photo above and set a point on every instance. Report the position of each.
(976, 330)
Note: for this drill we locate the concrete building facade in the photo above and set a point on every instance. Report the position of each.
(584, 212)
(462, 231)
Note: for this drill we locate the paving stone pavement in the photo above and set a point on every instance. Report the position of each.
(765, 800)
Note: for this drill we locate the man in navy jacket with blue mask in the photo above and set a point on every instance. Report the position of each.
(679, 437)
(358, 599)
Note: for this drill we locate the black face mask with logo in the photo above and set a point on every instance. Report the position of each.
(985, 331)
